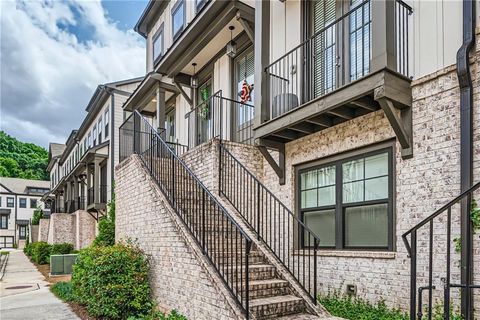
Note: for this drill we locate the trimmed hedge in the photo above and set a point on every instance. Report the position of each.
(63, 290)
(61, 248)
(112, 282)
(40, 252)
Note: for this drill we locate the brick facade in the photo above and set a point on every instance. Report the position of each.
(43, 227)
(78, 228)
(181, 277)
(422, 184)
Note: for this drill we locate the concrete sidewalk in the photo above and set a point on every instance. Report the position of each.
(25, 295)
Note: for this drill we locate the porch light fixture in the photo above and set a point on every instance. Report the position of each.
(194, 79)
(232, 45)
(82, 177)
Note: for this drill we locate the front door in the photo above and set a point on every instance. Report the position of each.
(22, 232)
(204, 112)
(103, 184)
(243, 111)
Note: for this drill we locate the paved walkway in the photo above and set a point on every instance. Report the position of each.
(24, 294)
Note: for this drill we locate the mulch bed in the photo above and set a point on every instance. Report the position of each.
(79, 310)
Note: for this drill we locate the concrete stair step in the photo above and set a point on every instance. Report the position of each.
(277, 306)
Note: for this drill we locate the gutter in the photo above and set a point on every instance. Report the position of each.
(466, 153)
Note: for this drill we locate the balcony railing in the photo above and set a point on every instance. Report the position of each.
(127, 140)
(91, 195)
(336, 55)
(220, 117)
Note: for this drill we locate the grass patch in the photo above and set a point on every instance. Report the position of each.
(63, 290)
(4, 253)
(358, 309)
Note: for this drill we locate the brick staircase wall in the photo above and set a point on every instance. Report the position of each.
(180, 275)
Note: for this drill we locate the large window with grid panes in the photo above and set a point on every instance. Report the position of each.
(348, 202)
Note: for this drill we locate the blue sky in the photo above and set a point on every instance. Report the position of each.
(55, 53)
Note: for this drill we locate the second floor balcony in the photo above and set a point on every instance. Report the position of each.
(220, 117)
(356, 63)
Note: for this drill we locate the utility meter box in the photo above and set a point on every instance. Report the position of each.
(62, 263)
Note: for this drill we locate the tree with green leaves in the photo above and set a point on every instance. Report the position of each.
(22, 160)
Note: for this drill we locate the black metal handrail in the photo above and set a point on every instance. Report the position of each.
(204, 122)
(91, 195)
(126, 143)
(284, 234)
(336, 55)
(223, 241)
(443, 238)
(214, 117)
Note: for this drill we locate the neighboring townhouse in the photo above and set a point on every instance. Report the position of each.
(19, 198)
(81, 170)
(280, 150)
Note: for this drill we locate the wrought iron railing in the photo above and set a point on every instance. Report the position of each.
(293, 243)
(220, 117)
(80, 203)
(223, 242)
(336, 55)
(126, 140)
(430, 251)
(91, 195)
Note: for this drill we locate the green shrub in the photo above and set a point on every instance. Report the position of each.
(61, 248)
(112, 282)
(37, 215)
(28, 249)
(358, 309)
(106, 227)
(41, 252)
(174, 315)
(63, 290)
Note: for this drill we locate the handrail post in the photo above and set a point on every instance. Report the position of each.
(413, 275)
(203, 221)
(258, 210)
(315, 249)
(247, 277)
(136, 134)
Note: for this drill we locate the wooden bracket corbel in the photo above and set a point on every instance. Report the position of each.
(249, 29)
(400, 118)
(183, 93)
(263, 145)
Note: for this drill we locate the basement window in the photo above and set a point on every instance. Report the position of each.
(348, 203)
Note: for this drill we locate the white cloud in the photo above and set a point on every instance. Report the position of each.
(47, 75)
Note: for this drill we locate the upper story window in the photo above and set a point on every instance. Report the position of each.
(10, 202)
(100, 126)
(107, 120)
(33, 203)
(0, 201)
(349, 203)
(158, 44)
(89, 139)
(199, 4)
(94, 135)
(85, 141)
(23, 203)
(178, 18)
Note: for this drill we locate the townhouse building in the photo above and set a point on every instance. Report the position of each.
(81, 170)
(281, 150)
(19, 198)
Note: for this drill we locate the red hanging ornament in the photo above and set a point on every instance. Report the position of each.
(245, 94)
